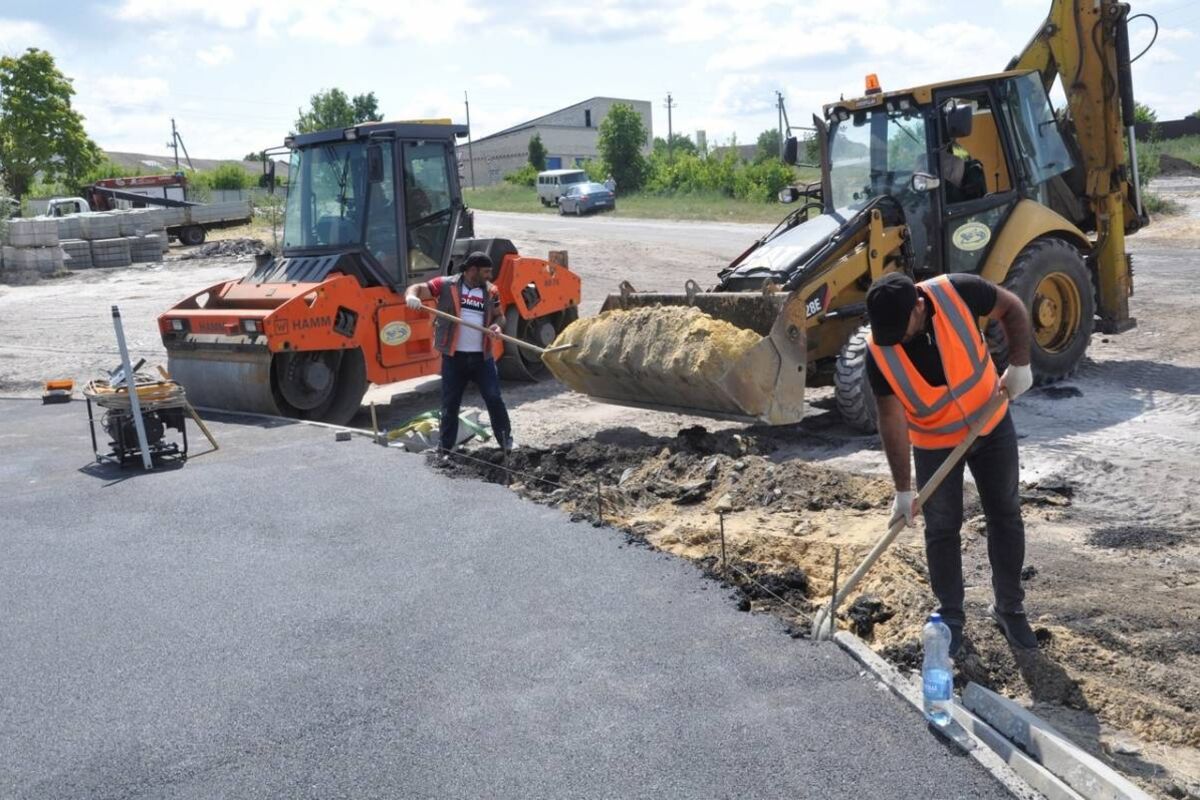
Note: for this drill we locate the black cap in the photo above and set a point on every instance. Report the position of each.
(478, 259)
(890, 302)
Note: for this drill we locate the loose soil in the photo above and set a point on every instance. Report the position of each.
(1110, 462)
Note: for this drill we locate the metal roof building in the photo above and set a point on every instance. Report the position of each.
(570, 135)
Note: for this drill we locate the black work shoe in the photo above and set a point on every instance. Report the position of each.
(1015, 627)
(956, 639)
(506, 443)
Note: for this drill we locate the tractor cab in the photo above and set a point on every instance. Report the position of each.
(955, 157)
(383, 197)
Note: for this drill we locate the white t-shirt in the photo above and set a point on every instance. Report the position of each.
(471, 310)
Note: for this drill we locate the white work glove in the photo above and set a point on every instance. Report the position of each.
(902, 506)
(413, 302)
(1017, 380)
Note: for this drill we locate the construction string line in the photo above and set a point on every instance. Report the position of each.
(600, 519)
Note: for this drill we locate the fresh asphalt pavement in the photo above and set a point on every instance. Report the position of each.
(292, 616)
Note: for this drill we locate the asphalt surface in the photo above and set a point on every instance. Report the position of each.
(294, 617)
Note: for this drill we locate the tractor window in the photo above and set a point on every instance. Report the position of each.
(873, 154)
(428, 205)
(973, 165)
(381, 217)
(324, 203)
(1039, 143)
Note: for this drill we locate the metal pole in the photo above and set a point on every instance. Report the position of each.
(779, 110)
(175, 143)
(721, 515)
(837, 557)
(470, 151)
(1137, 183)
(599, 503)
(670, 103)
(135, 404)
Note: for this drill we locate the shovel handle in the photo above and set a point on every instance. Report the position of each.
(504, 336)
(827, 613)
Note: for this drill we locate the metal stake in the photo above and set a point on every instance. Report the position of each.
(135, 404)
(724, 562)
(837, 559)
(599, 503)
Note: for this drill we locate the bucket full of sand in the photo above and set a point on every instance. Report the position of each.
(729, 355)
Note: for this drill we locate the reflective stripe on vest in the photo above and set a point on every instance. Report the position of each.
(941, 416)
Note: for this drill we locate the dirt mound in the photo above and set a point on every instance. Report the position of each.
(226, 248)
(1134, 537)
(1170, 166)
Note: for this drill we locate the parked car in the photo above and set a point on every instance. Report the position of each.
(553, 182)
(583, 197)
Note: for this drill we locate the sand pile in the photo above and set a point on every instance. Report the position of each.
(675, 355)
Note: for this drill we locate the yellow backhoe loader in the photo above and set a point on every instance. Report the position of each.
(976, 175)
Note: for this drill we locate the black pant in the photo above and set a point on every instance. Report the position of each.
(457, 371)
(993, 463)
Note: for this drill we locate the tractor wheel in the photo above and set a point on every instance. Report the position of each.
(852, 388)
(520, 364)
(1053, 282)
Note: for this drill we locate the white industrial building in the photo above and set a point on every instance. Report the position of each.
(570, 135)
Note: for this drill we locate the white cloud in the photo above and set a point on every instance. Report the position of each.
(491, 80)
(217, 54)
(17, 35)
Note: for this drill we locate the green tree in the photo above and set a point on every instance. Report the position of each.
(39, 131)
(768, 145)
(680, 143)
(229, 176)
(333, 108)
(1195, 114)
(537, 152)
(622, 136)
(255, 156)
(1143, 113)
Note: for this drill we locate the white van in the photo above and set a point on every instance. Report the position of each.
(553, 182)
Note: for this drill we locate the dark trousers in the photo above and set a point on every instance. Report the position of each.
(457, 371)
(993, 463)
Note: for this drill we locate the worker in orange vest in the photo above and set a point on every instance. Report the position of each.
(932, 376)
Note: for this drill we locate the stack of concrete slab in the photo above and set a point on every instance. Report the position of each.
(113, 252)
(31, 250)
(69, 227)
(98, 225)
(147, 247)
(78, 253)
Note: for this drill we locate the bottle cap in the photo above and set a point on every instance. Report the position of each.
(935, 617)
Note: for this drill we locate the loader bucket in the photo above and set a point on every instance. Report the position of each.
(729, 355)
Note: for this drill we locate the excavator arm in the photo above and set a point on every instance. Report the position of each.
(1085, 44)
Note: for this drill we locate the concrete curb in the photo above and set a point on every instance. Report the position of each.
(977, 748)
(1083, 772)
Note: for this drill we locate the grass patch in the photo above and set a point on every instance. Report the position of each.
(1161, 206)
(1185, 147)
(708, 207)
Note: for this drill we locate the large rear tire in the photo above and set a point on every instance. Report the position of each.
(1052, 280)
(192, 235)
(852, 388)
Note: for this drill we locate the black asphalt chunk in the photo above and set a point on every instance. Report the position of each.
(290, 617)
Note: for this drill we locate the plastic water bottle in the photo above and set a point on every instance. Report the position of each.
(937, 673)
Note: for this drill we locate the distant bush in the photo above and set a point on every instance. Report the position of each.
(690, 174)
(228, 177)
(525, 176)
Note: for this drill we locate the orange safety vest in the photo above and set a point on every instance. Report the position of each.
(941, 416)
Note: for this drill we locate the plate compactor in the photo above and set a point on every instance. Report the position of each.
(370, 210)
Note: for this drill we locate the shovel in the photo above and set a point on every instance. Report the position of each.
(512, 339)
(823, 623)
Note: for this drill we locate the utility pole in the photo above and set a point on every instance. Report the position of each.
(670, 105)
(779, 109)
(470, 151)
(175, 143)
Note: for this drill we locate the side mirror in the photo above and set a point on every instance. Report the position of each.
(791, 149)
(374, 163)
(924, 182)
(270, 177)
(959, 122)
(788, 194)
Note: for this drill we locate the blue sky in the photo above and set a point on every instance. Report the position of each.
(233, 74)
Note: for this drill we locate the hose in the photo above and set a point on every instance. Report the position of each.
(153, 394)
